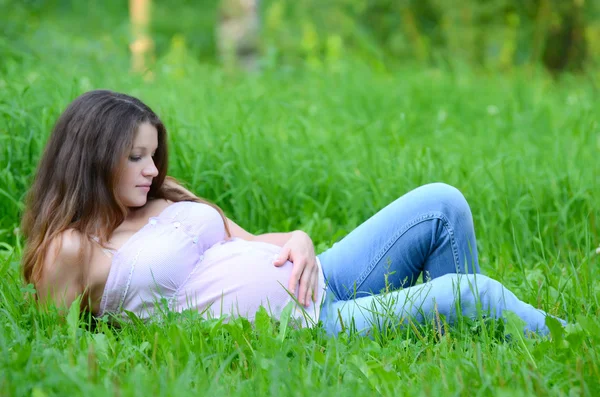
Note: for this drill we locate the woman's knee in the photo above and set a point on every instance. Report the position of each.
(450, 200)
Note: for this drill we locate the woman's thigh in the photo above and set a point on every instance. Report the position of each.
(429, 229)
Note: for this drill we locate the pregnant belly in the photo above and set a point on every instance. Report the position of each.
(237, 277)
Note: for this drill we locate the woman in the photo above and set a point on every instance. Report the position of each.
(104, 221)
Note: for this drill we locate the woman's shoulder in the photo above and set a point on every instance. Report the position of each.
(66, 245)
(64, 252)
(62, 268)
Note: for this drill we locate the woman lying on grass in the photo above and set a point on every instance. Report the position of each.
(104, 221)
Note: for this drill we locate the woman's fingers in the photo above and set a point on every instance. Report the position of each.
(304, 277)
(297, 271)
(310, 295)
(306, 297)
(303, 283)
(306, 281)
(283, 256)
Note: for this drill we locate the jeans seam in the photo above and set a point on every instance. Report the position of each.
(450, 230)
(429, 216)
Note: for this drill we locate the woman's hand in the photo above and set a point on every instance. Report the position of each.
(301, 252)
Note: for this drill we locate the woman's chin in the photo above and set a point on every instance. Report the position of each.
(137, 203)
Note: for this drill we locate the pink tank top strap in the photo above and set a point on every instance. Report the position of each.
(107, 251)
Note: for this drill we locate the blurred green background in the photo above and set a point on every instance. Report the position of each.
(497, 35)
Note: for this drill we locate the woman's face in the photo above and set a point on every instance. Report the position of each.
(138, 168)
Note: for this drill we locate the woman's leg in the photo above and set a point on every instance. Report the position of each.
(429, 229)
(447, 295)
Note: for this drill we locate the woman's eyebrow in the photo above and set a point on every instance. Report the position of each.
(144, 148)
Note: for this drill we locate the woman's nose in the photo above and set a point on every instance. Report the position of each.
(151, 169)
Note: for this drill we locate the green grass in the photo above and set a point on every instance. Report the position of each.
(322, 151)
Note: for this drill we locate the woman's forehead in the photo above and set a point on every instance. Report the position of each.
(145, 136)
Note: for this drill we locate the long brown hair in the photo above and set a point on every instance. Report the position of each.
(74, 187)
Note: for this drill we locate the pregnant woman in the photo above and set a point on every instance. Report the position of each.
(104, 222)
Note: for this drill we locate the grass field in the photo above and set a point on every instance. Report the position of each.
(321, 151)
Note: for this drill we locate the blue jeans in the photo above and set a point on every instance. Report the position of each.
(427, 231)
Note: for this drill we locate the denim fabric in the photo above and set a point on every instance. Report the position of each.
(427, 231)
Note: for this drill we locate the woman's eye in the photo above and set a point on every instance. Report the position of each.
(135, 158)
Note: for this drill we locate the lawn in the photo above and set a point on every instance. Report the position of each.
(322, 149)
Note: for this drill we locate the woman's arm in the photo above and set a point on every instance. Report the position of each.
(279, 239)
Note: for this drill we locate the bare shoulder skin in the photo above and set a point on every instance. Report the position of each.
(62, 272)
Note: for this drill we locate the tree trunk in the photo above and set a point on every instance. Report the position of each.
(238, 31)
(566, 46)
(142, 47)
